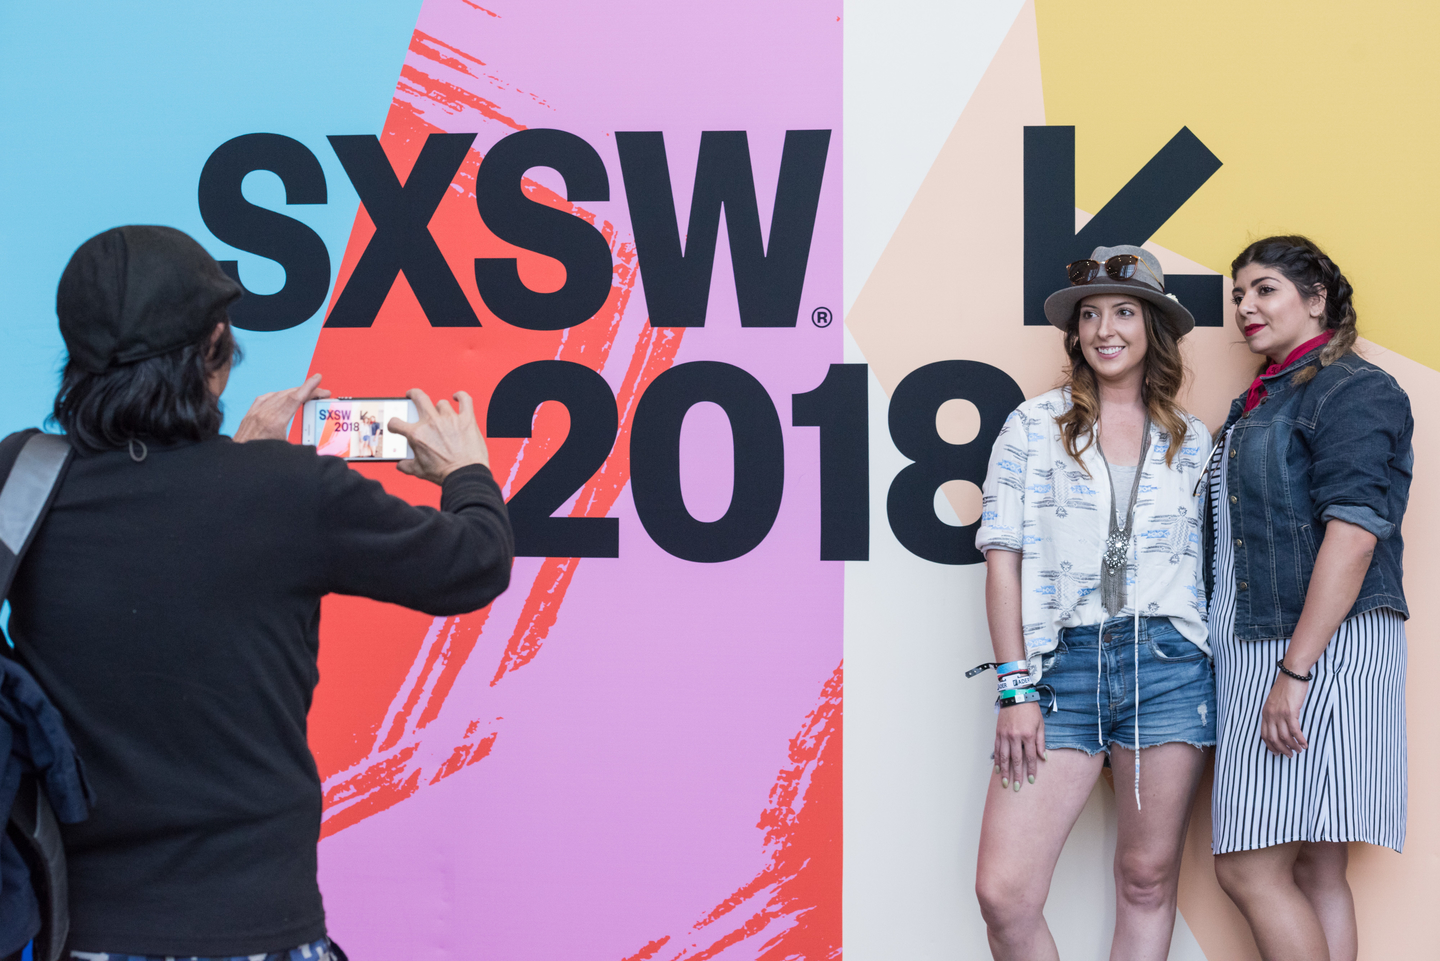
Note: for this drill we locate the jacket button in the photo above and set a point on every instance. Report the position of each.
(1234, 499)
(1239, 542)
(1232, 452)
(1243, 586)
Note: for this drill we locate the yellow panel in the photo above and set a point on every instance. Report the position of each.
(1325, 114)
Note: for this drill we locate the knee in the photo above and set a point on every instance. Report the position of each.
(1145, 882)
(1235, 878)
(1321, 867)
(1006, 904)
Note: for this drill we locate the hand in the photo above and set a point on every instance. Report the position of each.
(1019, 743)
(269, 417)
(443, 439)
(1280, 717)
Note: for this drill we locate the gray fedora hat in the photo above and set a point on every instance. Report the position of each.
(1148, 284)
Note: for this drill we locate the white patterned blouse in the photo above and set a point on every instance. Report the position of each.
(1041, 504)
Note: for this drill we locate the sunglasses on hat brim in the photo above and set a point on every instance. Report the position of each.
(1119, 267)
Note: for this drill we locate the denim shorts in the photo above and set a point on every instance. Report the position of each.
(1177, 687)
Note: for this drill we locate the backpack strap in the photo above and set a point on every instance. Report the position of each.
(37, 465)
(29, 490)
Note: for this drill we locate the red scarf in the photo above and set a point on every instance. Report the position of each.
(1257, 388)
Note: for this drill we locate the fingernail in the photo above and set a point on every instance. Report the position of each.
(1017, 786)
(1004, 782)
(997, 769)
(1045, 755)
(1032, 779)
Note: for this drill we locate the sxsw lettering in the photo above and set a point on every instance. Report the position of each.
(258, 230)
(1132, 216)
(768, 283)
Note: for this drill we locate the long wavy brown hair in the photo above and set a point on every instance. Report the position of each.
(1164, 376)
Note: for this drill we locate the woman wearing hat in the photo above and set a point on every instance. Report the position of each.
(1307, 490)
(1096, 610)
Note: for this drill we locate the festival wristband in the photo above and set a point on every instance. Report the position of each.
(1011, 698)
(1009, 667)
(1013, 682)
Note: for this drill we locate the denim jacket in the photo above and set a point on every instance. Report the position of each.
(1335, 447)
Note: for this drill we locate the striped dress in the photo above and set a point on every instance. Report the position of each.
(1350, 783)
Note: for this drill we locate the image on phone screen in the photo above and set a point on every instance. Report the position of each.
(355, 427)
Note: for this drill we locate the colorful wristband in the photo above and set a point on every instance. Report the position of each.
(1011, 698)
(1014, 682)
(1009, 667)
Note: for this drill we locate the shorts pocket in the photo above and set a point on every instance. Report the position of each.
(1171, 645)
(1052, 658)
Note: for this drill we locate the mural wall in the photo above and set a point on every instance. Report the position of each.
(743, 292)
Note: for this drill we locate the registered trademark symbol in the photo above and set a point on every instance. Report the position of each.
(821, 316)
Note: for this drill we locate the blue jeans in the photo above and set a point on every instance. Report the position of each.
(1177, 688)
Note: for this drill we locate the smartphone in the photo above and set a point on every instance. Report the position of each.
(355, 427)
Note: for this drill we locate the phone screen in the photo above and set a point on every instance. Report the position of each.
(355, 427)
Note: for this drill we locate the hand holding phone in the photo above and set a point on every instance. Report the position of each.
(269, 417)
(443, 438)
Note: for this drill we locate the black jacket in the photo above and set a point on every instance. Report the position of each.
(171, 609)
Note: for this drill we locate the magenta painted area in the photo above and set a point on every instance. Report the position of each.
(636, 753)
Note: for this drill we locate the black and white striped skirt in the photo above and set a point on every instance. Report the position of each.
(1350, 783)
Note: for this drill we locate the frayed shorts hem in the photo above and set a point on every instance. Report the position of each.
(1094, 749)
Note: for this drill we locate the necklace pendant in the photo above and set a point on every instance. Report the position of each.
(1114, 557)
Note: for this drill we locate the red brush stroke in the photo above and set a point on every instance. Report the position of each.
(366, 768)
(655, 352)
(650, 950)
(795, 902)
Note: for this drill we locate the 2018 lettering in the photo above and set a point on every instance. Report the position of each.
(837, 407)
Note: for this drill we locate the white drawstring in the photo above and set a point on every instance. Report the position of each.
(1135, 595)
(1099, 654)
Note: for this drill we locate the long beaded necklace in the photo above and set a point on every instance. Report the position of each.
(1117, 543)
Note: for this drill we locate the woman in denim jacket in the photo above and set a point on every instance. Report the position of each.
(1307, 489)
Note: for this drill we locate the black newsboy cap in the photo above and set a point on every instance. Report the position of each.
(136, 292)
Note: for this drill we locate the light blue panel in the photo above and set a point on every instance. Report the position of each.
(108, 112)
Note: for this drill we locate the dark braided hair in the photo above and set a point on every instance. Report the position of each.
(1312, 271)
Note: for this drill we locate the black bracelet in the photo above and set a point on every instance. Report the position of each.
(1289, 673)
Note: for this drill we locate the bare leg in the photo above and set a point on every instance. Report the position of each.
(1020, 841)
(1262, 885)
(1320, 875)
(1149, 844)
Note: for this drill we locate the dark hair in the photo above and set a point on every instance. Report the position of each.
(1313, 273)
(1164, 376)
(162, 399)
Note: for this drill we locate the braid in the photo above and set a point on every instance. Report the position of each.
(1339, 311)
(1309, 268)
